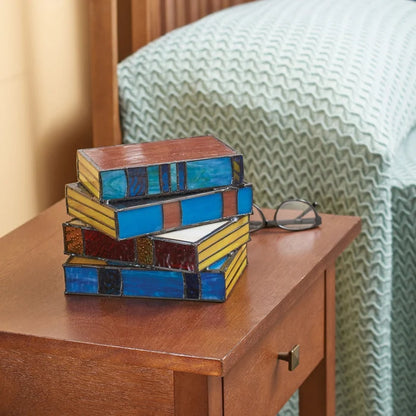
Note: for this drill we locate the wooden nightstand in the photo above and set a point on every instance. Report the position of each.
(80, 355)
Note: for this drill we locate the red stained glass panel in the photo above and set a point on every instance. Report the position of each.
(101, 246)
(175, 256)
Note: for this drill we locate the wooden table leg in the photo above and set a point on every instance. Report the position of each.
(215, 396)
(317, 393)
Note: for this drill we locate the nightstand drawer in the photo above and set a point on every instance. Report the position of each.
(260, 383)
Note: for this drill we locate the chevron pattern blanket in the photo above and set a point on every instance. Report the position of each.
(320, 97)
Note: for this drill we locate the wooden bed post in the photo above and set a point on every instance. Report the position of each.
(117, 29)
(104, 56)
(139, 22)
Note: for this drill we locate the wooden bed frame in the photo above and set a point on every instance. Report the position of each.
(120, 27)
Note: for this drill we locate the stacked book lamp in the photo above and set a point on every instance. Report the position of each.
(164, 219)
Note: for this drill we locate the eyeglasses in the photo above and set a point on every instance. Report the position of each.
(291, 215)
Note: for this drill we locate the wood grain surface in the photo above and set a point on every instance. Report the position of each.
(269, 378)
(34, 384)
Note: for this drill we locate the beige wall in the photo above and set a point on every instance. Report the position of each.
(44, 103)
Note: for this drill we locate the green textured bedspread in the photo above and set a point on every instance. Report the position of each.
(320, 97)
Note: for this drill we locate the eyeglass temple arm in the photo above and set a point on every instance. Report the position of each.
(310, 207)
(273, 223)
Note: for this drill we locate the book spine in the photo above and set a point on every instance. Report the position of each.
(142, 251)
(167, 179)
(185, 212)
(151, 251)
(130, 282)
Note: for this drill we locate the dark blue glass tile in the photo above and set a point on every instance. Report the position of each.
(109, 282)
(181, 171)
(164, 174)
(137, 181)
(192, 285)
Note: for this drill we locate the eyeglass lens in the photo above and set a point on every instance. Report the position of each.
(295, 215)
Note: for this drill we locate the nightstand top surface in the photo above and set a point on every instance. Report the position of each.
(198, 337)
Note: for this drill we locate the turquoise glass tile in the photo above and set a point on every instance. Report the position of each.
(244, 200)
(161, 284)
(153, 181)
(114, 184)
(173, 178)
(212, 286)
(200, 209)
(139, 221)
(81, 280)
(209, 173)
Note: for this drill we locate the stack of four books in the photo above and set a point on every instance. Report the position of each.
(165, 219)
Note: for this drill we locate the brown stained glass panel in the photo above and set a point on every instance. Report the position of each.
(171, 215)
(229, 199)
(99, 245)
(144, 251)
(153, 153)
(73, 240)
(175, 256)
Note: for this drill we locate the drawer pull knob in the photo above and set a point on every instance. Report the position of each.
(292, 357)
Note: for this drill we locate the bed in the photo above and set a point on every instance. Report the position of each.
(319, 97)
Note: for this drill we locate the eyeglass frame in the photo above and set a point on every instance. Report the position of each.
(317, 220)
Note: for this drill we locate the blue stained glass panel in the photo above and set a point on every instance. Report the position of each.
(218, 264)
(153, 180)
(81, 280)
(200, 209)
(140, 221)
(245, 200)
(209, 173)
(114, 184)
(162, 284)
(212, 286)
